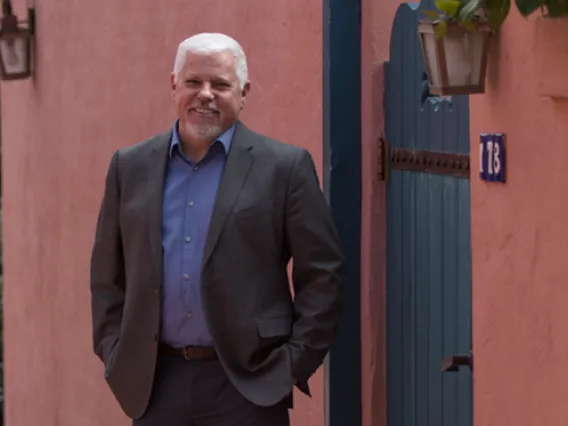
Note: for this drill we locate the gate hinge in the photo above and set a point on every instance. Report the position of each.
(383, 163)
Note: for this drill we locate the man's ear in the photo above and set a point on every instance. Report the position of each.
(246, 89)
(173, 81)
(244, 93)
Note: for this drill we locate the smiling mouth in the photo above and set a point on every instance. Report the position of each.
(204, 111)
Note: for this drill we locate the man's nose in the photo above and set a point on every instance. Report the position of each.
(206, 92)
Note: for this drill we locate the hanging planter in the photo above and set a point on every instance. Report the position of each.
(455, 43)
(456, 62)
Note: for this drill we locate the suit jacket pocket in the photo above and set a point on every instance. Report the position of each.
(274, 327)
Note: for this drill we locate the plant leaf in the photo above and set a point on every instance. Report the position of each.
(556, 8)
(448, 7)
(469, 8)
(441, 29)
(527, 7)
(497, 12)
(431, 13)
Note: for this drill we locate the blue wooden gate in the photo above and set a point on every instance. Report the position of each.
(428, 241)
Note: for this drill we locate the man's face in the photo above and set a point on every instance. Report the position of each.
(207, 95)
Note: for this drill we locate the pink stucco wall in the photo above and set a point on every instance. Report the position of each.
(520, 231)
(377, 19)
(102, 82)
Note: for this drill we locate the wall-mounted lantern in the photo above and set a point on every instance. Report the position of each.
(16, 44)
(455, 62)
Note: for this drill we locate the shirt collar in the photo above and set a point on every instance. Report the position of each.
(225, 138)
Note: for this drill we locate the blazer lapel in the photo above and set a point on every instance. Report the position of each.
(155, 174)
(237, 167)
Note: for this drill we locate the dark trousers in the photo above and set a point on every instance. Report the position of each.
(198, 393)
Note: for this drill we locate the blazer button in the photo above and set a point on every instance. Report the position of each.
(155, 337)
(157, 293)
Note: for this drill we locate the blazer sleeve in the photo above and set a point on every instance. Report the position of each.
(318, 268)
(107, 269)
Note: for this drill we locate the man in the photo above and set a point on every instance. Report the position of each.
(193, 316)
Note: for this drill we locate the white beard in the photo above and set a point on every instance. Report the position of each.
(204, 132)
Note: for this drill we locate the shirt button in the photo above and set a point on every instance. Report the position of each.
(190, 204)
(188, 239)
(186, 276)
(189, 315)
(196, 168)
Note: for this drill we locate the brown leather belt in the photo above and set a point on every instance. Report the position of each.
(190, 353)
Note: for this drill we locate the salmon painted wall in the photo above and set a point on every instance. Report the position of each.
(520, 231)
(102, 82)
(377, 19)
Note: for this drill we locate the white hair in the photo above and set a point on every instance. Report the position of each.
(210, 43)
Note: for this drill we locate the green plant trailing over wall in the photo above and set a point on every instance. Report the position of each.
(467, 12)
(549, 8)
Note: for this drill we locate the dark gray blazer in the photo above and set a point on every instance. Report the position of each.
(269, 209)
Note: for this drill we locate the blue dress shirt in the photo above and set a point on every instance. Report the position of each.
(189, 195)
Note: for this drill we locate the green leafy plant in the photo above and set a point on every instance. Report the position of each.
(467, 13)
(549, 8)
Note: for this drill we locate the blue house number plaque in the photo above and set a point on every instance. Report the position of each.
(492, 163)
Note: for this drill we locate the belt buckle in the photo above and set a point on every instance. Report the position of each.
(185, 354)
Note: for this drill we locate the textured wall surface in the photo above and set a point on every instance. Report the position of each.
(102, 82)
(520, 231)
(377, 20)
